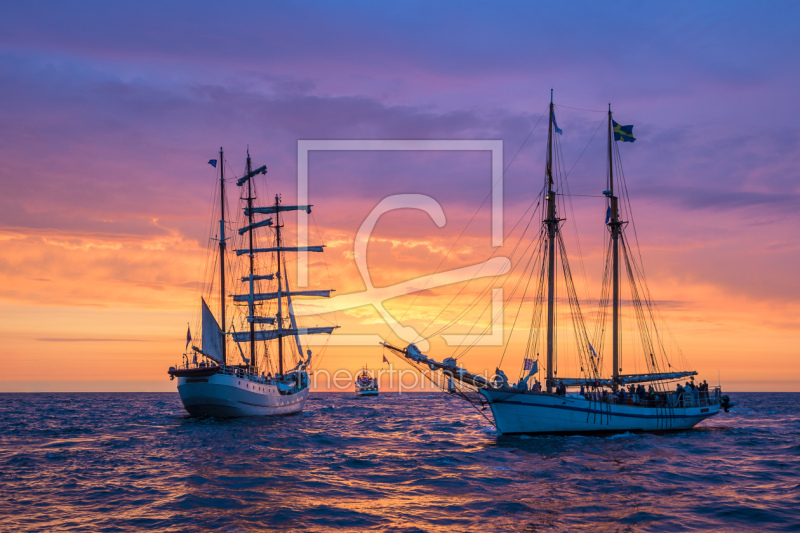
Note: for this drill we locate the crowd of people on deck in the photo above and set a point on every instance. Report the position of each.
(637, 394)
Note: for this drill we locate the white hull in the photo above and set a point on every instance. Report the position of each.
(226, 395)
(533, 413)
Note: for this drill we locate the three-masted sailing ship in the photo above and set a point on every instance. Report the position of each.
(256, 380)
(605, 403)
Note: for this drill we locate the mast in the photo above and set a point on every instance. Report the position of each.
(252, 257)
(222, 251)
(280, 285)
(552, 226)
(614, 224)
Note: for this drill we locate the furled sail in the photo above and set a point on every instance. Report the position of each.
(627, 380)
(260, 170)
(261, 319)
(282, 249)
(212, 335)
(267, 335)
(260, 296)
(254, 225)
(277, 208)
(256, 278)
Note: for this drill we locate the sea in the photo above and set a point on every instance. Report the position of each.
(411, 462)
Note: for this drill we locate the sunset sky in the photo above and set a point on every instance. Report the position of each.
(110, 112)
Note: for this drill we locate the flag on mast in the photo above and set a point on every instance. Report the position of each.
(623, 133)
(384, 359)
(555, 126)
(212, 162)
(188, 336)
(531, 365)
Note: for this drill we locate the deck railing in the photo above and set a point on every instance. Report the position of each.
(662, 399)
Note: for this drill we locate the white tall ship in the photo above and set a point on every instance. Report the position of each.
(251, 370)
(595, 401)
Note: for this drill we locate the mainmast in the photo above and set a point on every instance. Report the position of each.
(267, 335)
(222, 251)
(552, 227)
(252, 260)
(280, 285)
(614, 225)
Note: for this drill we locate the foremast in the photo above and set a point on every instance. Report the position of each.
(222, 251)
(615, 226)
(552, 228)
(251, 302)
(282, 287)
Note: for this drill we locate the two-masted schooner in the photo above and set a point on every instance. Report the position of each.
(605, 403)
(255, 380)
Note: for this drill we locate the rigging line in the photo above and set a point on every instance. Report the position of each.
(644, 332)
(640, 266)
(485, 307)
(579, 326)
(510, 297)
(579, 109)
(423, 334)
(565, 181)
(519, 309)
(429, 378)
(489, 284)
(584, 148)
(603, 302)
(203, 269)
(538, 305)
(324, 348)
(652, 311)
(574, 225)
(491, 192)
(469, 307)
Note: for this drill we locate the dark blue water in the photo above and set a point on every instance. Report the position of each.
(129, 462)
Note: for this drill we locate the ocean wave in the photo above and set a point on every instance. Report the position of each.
(137, 462)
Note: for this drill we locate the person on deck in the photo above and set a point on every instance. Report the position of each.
(687, 394)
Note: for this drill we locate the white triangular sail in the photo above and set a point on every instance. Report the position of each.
(212, 335)
(294, 323)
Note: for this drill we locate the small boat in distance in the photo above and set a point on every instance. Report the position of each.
(366, 385)
(261, 384)
(595, 401)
